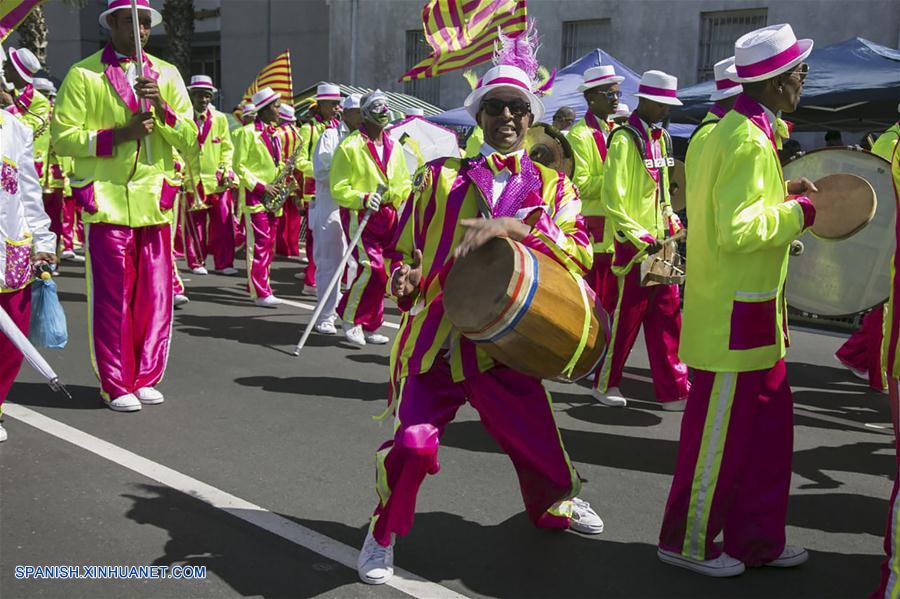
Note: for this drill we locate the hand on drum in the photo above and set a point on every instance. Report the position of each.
(481, 230)
(406, 279)
(801, 186)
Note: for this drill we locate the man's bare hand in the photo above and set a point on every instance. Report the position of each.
(481, 230)
(44, 257)
(801, 186)
(147, 89)
(6, 99)
(140, 126)
(406, 279)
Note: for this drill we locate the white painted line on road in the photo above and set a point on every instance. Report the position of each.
(346, 555)
(312, 307)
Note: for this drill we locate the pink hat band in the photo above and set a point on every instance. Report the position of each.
(601, 78)
(127, 4)
(328, 97)
(22, 68)
(769, 64)
(507, 81)
(657, 91)
(202, 85)
(726, 84)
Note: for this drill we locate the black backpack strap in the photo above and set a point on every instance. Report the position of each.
(702, 125)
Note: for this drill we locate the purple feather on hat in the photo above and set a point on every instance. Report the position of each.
(519, 50)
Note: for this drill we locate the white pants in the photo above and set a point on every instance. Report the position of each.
(328, 249)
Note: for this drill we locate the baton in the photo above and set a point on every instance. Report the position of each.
(320, 304)
(139, 57)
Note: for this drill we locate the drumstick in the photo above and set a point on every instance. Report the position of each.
(320, 304)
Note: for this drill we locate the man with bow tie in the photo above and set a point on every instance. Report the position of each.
(635, 196)
(435, 370)
(121, 122)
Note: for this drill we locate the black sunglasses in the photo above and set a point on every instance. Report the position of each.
(517, 108)
(801, 72)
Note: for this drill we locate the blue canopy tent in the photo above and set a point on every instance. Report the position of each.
(565, 93)
(852, 86)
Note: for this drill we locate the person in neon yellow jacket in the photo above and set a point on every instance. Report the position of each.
(29, 104)
(365, 160)
(257, 159)
(474, 142)
(588, 140)
(323, 116)
(887, 141)
(121, 128)
(734, 457)
(635, 198)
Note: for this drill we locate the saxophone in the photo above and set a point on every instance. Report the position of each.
(285, 184)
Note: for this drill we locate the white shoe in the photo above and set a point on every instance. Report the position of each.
(790, 557)
(326, 327)
(180, 299)
(71, 256)
(200, 270)
(270, 301)
(376, 339)
(721, 567)
(584, 519)
(124, 403)
(149, 396)
(228, 271)
(375, 564)
(613, 398)
(354, 335)
(675, 406)
(3, 435)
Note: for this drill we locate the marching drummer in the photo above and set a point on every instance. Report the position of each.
(635, 198)
(434, 370)
(734, 460)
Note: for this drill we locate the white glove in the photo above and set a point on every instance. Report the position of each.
(374, 202)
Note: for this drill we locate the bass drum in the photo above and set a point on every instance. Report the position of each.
(843, 278)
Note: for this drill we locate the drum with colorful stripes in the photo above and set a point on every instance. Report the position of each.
(526, 311)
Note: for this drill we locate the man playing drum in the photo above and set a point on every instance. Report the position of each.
(434, 370)
(734, 461)
(635, 198)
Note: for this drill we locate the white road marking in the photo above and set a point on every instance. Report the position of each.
(346, 555)
(312, 307)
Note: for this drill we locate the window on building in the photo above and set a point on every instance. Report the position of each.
(417, 50)
(206, 60)
(580, 37)
(718, 32)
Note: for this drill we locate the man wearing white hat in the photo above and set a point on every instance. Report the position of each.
(121, 123)
(733, 473)
(620, 116)
(257, 159)
(588, 140)
(635, 197)
(287, 237)
(435, 370)
(210, 217)
(248, 113)
(325, 215)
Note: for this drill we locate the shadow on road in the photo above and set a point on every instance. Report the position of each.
(319, 386)
(39, 395)
(860, 458)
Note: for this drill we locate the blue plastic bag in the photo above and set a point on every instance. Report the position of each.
(48, 321)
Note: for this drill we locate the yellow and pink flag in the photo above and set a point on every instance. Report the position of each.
(13, 12)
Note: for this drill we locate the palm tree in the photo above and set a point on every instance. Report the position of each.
(178, 18)
(33, 31)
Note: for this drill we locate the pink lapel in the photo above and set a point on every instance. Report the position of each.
(753, 110)
(388, 148)
(204, 129)
(635, 122)
(597, 132)
(116, 77)
(271, 141)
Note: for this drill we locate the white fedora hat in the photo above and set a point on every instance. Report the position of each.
(767, 52)
(725, 85)
(597, 76)
(508, 77)
(25, 63)
(43, 84)
(622, 111)
(328, 91)
(351, 101)
(203, 82)
(248, 108)
(286, 113)
(659, 87)
(264, 97)
(114, 5)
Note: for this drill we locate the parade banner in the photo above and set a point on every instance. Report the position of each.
(462, 33)
(277, 75)
(13, 12)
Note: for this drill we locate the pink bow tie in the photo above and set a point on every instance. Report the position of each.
(510, 163)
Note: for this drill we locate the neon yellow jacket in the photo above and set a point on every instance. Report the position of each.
(33, 108)
(355, 174)
(637, 211)
(887, 141)
(216, 151)
(309, 136)
(734, 316)
(588, 178)
(254, 164)
(125, 184)
(891, 343)
(474, 143)
(692, 162)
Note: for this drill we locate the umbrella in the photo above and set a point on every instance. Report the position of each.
(423, 141)
(37, 361)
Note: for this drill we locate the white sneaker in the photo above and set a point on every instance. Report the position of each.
(200, 270)
(228, 271)
(3, 436)
(326, 327)
(675, 406)
(180, 299)
(270, 301)
(721, 567)
(584, 519)
(355, 335)
(790, 557)
(71, 256)
(375, 564)
(613, 398)
(376, 339)
(149, 396)
(124, 403)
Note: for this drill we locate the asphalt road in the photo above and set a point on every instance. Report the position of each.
(259, 466)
